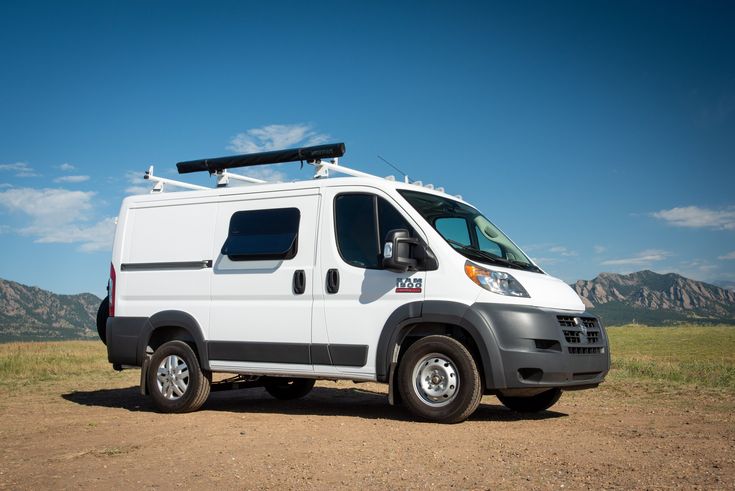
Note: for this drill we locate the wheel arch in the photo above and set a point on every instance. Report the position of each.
(170, 325)
(419, 319)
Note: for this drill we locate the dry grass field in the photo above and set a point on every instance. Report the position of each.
(665, 418)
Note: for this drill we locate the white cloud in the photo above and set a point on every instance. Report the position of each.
(72, 179)
(276, 137)
(21, 169)
(639, 259)
(729, 255)
(696, 217)
(547, 261)
(138, 184)
(562, 251)
(59, 216)
(67, 167)
(599, 249)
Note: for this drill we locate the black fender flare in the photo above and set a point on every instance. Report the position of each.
(401, 321)
(174, 318)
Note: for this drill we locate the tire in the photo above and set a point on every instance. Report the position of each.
(532, 404)
(439, 380)
(287, 389)
(103, 312)
(171, 392)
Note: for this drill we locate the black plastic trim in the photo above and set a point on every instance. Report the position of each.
(348, 355)
(176, 318)
(203, 264)
(320, 354)
(123, 335)
(400, 323)
(128, 338)
(296, 353)
(259, 352)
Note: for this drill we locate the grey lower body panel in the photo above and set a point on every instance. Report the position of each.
(123, 340)
(127, 338)
(533, 348)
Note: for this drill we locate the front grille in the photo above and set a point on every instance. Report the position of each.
(576, 350)
(581, 332)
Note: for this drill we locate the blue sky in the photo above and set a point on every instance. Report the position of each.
(599, 135)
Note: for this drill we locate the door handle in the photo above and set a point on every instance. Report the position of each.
(299, 282)
(332, 281)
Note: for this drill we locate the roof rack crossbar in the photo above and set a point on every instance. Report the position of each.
(223, 178)
(309, 154)
(161, 181)
(323, 167)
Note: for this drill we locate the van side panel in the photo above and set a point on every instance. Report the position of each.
(163, 262)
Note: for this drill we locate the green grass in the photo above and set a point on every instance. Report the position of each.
(31, 363)
(673, 356)
(683, 355)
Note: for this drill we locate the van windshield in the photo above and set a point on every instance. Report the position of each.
(470, 233)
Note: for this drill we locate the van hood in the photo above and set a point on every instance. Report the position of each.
(548, 292)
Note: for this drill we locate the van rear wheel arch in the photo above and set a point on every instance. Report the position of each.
(174, 325)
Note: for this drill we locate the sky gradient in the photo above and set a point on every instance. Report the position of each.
(600, 136)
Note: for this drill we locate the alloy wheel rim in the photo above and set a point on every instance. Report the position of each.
(172, 377)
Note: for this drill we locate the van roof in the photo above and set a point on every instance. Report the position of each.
(374, 181)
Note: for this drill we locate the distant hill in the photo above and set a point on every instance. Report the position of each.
(30, 313)
(650, 298)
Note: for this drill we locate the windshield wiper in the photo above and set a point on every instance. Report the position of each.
(487, 256)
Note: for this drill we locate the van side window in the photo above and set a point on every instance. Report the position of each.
(259, 235)
(361, 223)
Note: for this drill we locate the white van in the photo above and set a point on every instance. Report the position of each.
(359, 278)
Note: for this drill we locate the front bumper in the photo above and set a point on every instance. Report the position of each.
(537, 348)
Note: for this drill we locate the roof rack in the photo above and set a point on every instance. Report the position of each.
(323, 158)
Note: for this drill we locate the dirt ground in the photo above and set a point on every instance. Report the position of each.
(346, 435)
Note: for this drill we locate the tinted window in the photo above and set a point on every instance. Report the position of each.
(357, 236)
(390, 219)
(263, 234)
(360, 233)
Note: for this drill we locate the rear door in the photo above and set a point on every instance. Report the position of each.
(262, 292)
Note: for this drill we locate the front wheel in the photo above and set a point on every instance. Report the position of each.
(439, 380)
(175, 380)
(288, 388)
(532, 404)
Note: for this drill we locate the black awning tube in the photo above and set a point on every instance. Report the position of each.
(329, 151)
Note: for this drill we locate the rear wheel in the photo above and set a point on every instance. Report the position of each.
(439, 380)
(175, 380)
(532, 404)
(103, 312)
(288, 388)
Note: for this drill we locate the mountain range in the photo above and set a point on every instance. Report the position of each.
(651, 298)
(645, 297)
(30, 313)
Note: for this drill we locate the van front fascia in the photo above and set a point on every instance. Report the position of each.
(521, 347)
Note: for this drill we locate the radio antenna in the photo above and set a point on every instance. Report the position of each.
(405, 176)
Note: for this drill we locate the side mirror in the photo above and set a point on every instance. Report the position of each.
(397, 251)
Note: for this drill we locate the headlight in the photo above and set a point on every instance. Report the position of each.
(495, 281)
